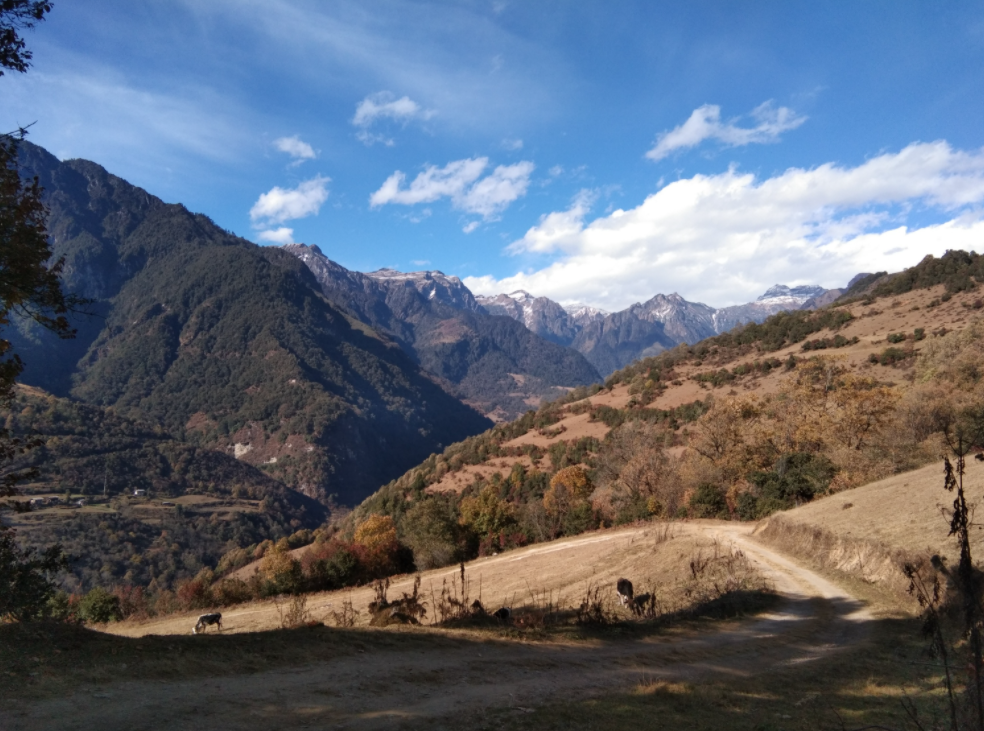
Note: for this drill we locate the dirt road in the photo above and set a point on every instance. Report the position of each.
(397, 688)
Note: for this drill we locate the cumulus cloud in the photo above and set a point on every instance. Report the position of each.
(462, 182)
(280, 236)
(725, 238)
(470, 226)
(283, 204)
(384, 106)
(705, 124)
(294, 146)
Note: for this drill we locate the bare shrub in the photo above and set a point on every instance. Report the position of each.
(293, 611)
(662, 533)
(453, 603)
(344, 618)
(409, 609)
(597, 608)
(719, 577)
(544, 610)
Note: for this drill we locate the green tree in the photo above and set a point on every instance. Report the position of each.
(16, 16)
(100, 606)
(29, 287)
(25, 584)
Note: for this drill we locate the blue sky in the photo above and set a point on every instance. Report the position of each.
(593, 151)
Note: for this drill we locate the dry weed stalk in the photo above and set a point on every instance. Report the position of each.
(718, 574)
(453, 604)
(345, 618)
(293, 612)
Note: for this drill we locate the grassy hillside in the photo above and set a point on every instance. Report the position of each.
(759, 420)
(228, 345)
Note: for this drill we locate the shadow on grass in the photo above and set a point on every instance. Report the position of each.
(861, 686)
(797, 667)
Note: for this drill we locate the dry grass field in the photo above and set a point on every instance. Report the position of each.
(816, 655)
(655, 557)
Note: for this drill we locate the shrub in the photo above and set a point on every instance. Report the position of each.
(796, 478)
(331, 565)
(431, 530)
(99, 606)
(708, 502)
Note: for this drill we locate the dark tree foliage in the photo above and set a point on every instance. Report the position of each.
(25, 578)
(797, 478)
(29, 287)
(17, 16)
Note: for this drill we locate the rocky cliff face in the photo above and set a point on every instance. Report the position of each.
(490, 361)
(542, 316)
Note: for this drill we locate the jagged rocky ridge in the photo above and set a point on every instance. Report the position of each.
(611, 341)
(491, 362)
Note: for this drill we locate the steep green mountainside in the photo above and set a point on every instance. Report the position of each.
(492, 362)
(227, 344)
(216, 501)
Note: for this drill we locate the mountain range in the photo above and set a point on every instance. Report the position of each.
(610, 341)
(329, 380)
(491, 362)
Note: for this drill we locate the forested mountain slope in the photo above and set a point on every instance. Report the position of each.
(157, 509)
(227, 344)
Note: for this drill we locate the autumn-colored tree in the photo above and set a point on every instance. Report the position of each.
(568, 487)
(863, 408)
(281, 569)
(378, 543)
(486, 513)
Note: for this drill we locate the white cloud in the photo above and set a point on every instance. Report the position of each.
(280, 236)
(384, 106)
(294, 146)
(470, 226)
(460, 181)
(512, 145)
(723, 239)
(280, 204)
(705, 123)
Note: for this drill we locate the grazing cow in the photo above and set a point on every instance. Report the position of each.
(207, 619)
(638, 604)
(503, 614)
(624, 589)
(979, 456)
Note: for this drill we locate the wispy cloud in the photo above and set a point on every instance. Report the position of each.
(382, 106)
(462, 182)
(725, 238)
(705, 124)
(294, 146)
(284, 204)
(512, 145)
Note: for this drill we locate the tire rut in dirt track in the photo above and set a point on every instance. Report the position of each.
(392, 688)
